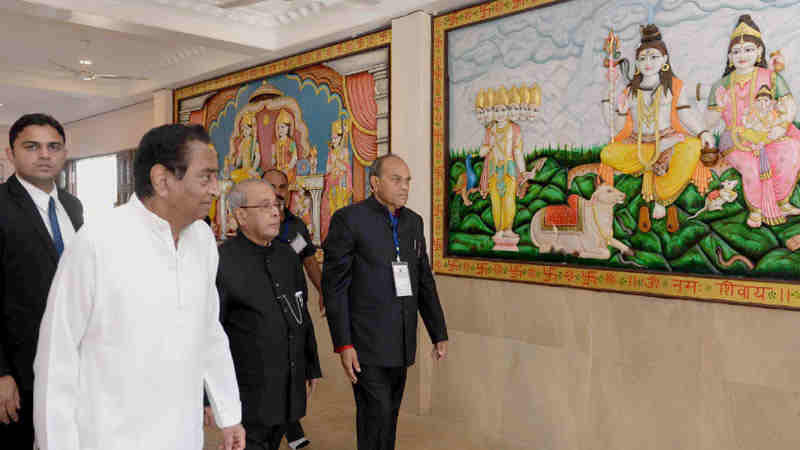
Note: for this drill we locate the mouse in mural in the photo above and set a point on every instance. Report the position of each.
(582, 227)
(717, 198)
(659, 134)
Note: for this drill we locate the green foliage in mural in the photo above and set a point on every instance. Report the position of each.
(717, 242)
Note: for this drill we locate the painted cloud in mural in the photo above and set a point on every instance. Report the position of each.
(560, 47)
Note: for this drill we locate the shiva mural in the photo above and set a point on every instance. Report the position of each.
(642, 135)
(317, 125)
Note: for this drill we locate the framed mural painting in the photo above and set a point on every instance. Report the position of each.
(635, 146)
(319, 117)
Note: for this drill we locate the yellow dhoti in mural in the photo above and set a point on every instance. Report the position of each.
(657, 142)
(503, 192)
(624, 157)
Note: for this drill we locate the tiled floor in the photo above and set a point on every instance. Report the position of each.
(331, 426)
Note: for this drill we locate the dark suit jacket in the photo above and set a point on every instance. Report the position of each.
(358, 285)
(28, 261)
(273, 354)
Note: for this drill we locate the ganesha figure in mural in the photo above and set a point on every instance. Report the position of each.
(759, 140)
(656, 132)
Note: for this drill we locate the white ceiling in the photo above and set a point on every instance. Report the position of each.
(171, 42)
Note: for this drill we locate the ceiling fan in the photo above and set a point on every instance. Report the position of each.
(83, 73)
(239, 3)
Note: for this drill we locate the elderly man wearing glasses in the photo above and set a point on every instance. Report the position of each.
(263, 309)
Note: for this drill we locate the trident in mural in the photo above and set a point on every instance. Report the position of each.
(611, 48)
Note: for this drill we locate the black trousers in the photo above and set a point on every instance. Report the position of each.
(294, 431)
(378, 395)
(265, 438)
(19, 435)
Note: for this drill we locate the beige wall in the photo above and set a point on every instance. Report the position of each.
(555, 368)
(6, 167)
(110, 132)
(3, 140)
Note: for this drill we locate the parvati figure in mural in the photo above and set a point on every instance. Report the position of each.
(284, 149)
(504, 176)
(339, 171)
(769, 168)
(657, 129)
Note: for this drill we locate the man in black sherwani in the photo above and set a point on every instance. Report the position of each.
(263, 309)
(375, 280)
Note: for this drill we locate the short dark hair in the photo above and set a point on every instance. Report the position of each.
(377, 166)
(165, 145)
(274, 170)
(34, 119)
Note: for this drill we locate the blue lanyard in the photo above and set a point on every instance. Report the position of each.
(395, 236)
(283, 236)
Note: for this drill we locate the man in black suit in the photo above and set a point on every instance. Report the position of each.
(375, 278)
(262, 292)
(37, 220)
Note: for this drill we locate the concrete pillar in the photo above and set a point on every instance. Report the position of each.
(411, 140)
(162, 107)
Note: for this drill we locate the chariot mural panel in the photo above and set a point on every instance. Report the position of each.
(315, 117)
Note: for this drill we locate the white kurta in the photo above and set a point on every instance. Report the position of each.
(130, 333)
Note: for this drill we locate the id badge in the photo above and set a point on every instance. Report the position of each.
(298, 244)
(402, 279)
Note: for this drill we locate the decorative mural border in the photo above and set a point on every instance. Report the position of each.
(345, 48)
(720, 289)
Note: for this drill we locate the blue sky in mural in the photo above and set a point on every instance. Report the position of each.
(318, 113)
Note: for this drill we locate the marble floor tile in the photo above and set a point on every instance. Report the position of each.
(331, 426)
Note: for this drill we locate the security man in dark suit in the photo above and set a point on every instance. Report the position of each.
(375, 278)
(263, 310)
(295, 233)
(37, 220)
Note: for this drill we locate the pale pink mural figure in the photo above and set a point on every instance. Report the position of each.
(769, 163)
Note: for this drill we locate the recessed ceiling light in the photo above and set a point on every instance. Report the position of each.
(86, 62)
(1, 105)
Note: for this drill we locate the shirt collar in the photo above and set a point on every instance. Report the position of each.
(247, 242)
(39, 197)
(375, 204)
(155, 222)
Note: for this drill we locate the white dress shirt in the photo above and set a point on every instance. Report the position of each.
(42, 201)
(130, 333)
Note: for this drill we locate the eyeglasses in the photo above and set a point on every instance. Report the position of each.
(265, 206)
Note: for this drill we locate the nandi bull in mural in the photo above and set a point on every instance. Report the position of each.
(582, 227)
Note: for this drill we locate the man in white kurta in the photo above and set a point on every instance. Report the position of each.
(130, 335)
